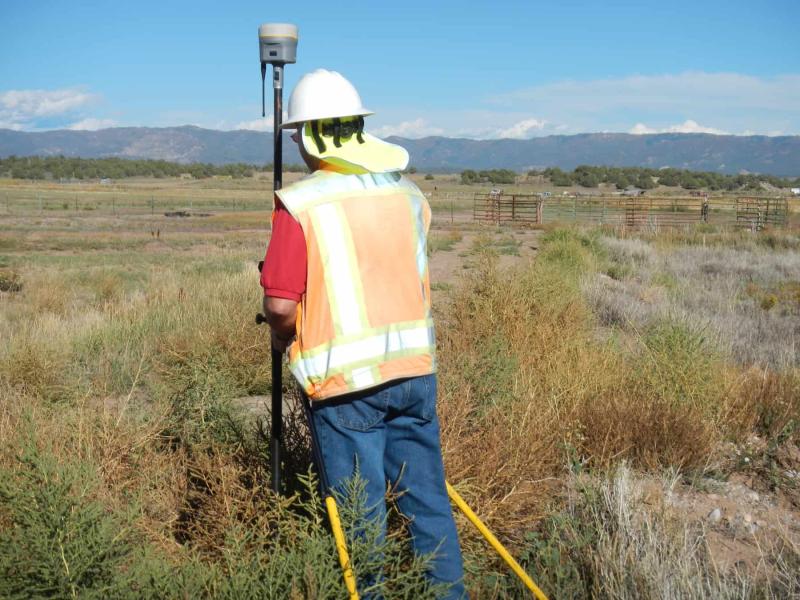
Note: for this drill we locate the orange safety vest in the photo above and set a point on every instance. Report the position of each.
(365, 317)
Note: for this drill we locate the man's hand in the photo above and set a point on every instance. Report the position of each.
(280, 344)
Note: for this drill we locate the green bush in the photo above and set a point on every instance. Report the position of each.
(60, 543)
(680, 366)
(495, 176)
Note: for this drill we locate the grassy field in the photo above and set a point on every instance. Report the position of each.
(26, 204)
(622, 409)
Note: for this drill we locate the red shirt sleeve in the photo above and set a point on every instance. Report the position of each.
(284, 272)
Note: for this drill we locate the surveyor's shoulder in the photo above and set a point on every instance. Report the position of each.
(324, 186)
(303, 182)
(301, 191)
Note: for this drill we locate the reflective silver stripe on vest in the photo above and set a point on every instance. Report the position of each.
(335, 358)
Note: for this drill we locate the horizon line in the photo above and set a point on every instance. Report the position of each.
(515, 139)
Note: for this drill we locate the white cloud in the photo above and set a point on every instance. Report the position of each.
(733, 102)
(260, 124)
(687, 126)
(416, 128)
(522, 129)
(694, 101)
(92, 124)
(671, 91)
(11, 125)
(19, 109)
(642, 129)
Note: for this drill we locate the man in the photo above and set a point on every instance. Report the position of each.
(347, 294)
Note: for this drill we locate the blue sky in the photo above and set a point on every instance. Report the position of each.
(479, 70)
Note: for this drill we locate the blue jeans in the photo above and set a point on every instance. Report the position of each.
(392, 433)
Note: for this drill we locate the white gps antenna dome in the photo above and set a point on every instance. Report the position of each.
(278, 43)
(277, 46)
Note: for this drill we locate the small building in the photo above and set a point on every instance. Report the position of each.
(795, 191)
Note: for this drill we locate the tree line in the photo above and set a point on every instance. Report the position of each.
(64, 168)
(489, 176)
(644, 178)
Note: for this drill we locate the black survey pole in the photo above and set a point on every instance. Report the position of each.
(277, 358)
(277, 45)
(277, 79)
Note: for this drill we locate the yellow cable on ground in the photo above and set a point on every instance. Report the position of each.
(494, 542)
(341, 547)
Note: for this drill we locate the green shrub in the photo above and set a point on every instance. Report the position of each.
(202, 410)
(679, 365)
(60, 543)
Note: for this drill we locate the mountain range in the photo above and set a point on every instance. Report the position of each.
(696, 151)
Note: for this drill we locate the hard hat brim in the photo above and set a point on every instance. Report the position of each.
(373, 156)
(303, 118)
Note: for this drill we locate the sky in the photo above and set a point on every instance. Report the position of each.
(482, 70)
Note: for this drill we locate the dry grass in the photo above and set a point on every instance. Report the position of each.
(443, 241)
(530, 388)
(626, 542)
(129, 370)
(527, 389)
(739, 291)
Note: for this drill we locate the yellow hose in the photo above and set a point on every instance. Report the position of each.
(341, 547)
(494, 542)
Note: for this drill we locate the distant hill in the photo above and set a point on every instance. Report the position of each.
(696, 151)
(176, 144)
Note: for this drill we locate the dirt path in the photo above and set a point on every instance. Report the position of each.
(447, 264)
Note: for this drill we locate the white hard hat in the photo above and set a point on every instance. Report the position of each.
(323, 94)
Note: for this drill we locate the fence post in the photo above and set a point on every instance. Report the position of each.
(539, 210)
(513, 208)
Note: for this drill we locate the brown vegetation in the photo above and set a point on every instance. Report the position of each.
(119, 375)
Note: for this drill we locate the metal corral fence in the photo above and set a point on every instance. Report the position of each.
(636, 211)
(752, 213)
